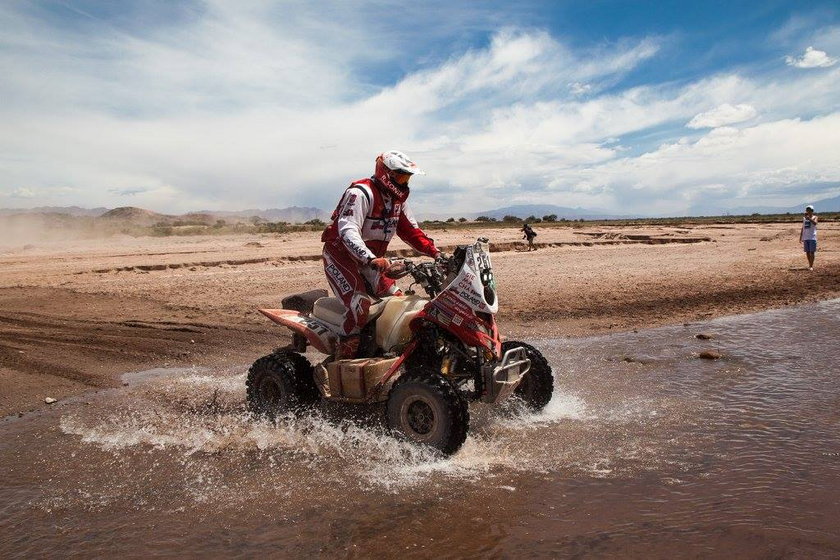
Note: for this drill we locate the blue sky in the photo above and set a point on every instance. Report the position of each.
(648, 108)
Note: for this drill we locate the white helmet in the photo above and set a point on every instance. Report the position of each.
(398, 161)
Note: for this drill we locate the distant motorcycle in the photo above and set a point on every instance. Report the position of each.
(428, 357)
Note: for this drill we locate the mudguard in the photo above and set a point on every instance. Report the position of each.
(319, 336)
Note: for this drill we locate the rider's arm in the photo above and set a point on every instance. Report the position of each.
(352, 211)
(409, 231)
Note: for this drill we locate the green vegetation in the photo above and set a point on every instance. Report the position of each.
(552, 221)
(57, 226)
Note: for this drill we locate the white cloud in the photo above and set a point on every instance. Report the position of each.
(236, 108)
(23, 192)
(578, 88)
(723, 115)
(743, 164)
(812, 58)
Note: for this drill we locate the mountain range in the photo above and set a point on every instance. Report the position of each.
(140, 216)
(297, 214)
(823, 205)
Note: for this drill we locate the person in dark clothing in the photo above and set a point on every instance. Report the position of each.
(530, 234)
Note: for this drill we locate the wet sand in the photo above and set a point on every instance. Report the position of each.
(75, 315)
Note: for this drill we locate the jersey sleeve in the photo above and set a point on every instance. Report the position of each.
(351, 218)
(409, 231)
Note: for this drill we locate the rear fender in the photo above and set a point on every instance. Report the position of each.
(319, 336)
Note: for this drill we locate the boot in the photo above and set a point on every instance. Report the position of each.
(347, 348)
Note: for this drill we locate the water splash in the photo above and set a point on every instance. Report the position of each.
(201, 412)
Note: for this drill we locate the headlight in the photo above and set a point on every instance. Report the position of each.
(489, 295)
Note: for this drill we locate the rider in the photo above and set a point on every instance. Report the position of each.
(367, 216)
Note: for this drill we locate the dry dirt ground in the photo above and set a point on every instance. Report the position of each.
(76, 314)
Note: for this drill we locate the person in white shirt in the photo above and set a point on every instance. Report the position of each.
(808, 235)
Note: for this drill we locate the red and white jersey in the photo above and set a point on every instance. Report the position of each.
(366, 219)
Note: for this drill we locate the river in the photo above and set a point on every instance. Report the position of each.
(646, 450)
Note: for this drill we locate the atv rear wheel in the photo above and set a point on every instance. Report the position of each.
(537, 387)
(424, 407)
(279, 383)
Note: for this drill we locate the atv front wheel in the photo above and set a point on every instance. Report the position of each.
(424, 407)
(537, 387)
(279, 383)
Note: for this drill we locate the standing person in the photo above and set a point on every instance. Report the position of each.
(530, 234)
(808, 235)
(366, 218)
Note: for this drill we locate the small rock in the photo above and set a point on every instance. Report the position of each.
(704, 336)
(50, 400)
(710, 355)
(644, 360)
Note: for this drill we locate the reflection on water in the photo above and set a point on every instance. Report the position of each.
(645, 450)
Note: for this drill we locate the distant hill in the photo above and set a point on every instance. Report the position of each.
(540, 210)
(292, 214)
(823, 205)
(134, 216)
(142, 217)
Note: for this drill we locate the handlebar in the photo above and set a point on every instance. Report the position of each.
(429, 274)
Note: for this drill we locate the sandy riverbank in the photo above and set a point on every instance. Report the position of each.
(75, 315)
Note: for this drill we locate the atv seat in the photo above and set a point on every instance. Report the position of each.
(331, 310)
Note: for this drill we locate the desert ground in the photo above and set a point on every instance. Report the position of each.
(76, 314)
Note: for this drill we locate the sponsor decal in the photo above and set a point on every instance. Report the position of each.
(314, 326)
(466, 282)
(387, 225)
(360, 251)
(435, 313)
(338, 279)
(347, 212)
(472, 298)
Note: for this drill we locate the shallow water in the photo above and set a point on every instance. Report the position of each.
(644, 451)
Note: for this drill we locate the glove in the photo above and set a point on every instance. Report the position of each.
(379, 263)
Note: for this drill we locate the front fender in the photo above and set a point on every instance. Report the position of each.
(319, 336)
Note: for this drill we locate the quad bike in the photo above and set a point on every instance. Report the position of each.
(428, 357)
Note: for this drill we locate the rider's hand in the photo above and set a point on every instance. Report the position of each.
(379, 263)
(441, 257)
